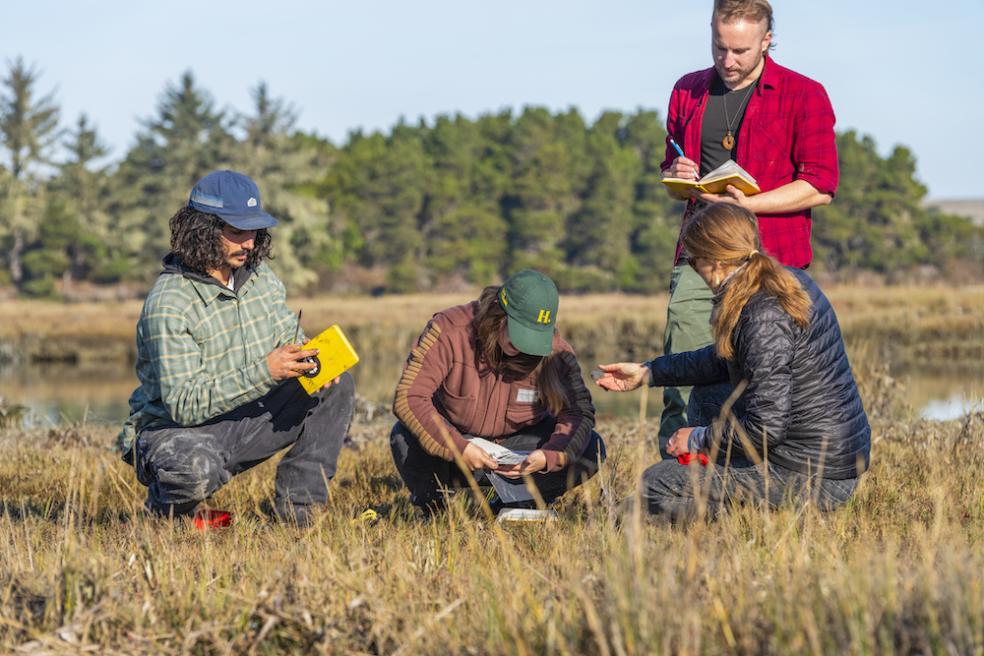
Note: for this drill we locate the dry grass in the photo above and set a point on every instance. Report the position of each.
(54, 320)
(897, 570)
(913, 322)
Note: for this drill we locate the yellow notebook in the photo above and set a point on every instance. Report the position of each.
(335, 357)
(716, 181)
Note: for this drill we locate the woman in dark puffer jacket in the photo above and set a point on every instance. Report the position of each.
(798, 429)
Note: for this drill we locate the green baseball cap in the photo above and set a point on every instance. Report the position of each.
(530, 301)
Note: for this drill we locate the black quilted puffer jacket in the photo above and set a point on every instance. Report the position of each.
(801, 403)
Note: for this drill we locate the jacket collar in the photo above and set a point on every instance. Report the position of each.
(770, 77)
(207, 287)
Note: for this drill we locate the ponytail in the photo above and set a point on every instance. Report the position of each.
(760, 272)
(728, 233)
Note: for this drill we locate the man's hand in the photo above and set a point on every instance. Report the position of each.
(622, 376)
(732, 195)
(535, 462)
(683, 168)
(679, 442)
(476, 458)
(287, 361)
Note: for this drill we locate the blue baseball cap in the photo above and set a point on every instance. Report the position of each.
(233, 197)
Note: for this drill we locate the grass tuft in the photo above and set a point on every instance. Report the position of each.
(897, 570)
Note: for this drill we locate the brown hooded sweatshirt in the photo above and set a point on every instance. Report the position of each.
(446, 392)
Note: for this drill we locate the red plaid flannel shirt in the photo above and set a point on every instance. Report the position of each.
(787, 134)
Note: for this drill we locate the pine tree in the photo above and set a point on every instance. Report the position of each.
(285, 166)
(874, 219)
(186, 139)
(656, 222)
(548, 167)
(378, 188)
(83, 185)
(460, 223)
(28, 129)
(598, 235)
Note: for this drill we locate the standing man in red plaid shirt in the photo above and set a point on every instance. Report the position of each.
(776, 124)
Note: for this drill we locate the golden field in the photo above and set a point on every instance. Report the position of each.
(907, 323)
(897, 570)
(83, 570)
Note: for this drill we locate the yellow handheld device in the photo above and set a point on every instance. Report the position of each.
(335, 357)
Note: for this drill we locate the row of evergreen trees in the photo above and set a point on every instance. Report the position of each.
(439, 204)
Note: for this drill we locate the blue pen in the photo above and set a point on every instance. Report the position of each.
(676, 147)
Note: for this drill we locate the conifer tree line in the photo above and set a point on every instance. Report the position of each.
(439, 204)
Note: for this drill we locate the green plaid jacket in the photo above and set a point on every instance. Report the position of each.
(202, 347)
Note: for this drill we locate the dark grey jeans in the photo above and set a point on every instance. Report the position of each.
(425, 475)
(182, 466)
(671, 490)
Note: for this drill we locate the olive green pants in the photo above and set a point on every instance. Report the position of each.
(688, 328)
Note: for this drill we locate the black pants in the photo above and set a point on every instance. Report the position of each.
(182, 466)
(671, 490)
(425, 475)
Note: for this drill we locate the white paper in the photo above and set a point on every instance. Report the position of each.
(503, 455)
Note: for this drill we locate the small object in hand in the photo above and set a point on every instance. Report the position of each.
(206, 519)
(501, 454)
(335, 357)
(687, 458)
(597, 373)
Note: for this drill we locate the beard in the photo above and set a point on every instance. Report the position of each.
(737, 76)
(237, 259)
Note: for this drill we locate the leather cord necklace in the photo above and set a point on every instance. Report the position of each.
(729, 138)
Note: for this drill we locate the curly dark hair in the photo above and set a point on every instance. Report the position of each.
(195, 240)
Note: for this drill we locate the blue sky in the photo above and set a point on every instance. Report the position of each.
(903, 71)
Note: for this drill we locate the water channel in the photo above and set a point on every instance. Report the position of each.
(57, 394)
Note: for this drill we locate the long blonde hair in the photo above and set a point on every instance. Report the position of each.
(488, 322)
(729, 234)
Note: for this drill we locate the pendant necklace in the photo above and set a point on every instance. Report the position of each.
(729, 138)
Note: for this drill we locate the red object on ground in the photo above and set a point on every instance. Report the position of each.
(206, 519)
(687, 458)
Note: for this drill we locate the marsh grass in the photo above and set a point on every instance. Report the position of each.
(897, 570)
(909, 325)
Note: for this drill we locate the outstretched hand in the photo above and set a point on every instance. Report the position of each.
(622, 376)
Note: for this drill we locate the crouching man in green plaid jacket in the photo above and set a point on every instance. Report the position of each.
(216, 353)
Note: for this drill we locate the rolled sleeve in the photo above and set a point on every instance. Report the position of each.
(815, 145)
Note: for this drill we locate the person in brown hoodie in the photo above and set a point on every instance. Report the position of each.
(494, 368)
